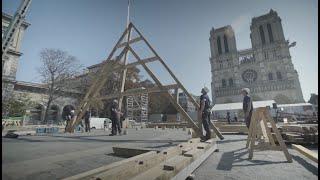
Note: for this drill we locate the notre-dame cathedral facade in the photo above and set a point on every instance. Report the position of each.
(266, 68)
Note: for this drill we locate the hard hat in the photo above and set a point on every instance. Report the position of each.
(72, 111)
(115, 101)
(246, 89)
(205, 89)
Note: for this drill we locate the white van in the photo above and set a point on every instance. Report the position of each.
(98, 123)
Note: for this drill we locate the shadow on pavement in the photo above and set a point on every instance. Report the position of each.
(228, 158)
(229, 141)
(306, 164)
(86, 139)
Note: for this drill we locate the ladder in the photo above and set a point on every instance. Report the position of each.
(14, 26)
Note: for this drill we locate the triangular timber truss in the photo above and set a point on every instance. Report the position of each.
(259, 131)
(102, 77)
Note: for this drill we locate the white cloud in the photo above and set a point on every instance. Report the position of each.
(241, 23)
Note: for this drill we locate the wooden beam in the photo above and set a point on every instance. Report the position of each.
(124, 71)
(130, 150)
(196, 105)
(93, 90)
(216, 130)
(267, 115)
(194, 165)
(271, 140)
(134, 92)
(91, 173)
(176, 163)
(306, 152)
(147, 60)
(130, 42)
(96, 87)
(130, 170)
(171, 99)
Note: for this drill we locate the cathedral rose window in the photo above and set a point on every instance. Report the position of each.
(249, 76)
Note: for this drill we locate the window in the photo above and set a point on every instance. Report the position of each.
(263, 40)
(229, 62)
(219, 45)
(270, 75)
(4, 28)
(224, 84)
(221, 65)
(265, 55)
(270, 33)
(279, 75)
(230, 82)
(274, 53)
(225, 40)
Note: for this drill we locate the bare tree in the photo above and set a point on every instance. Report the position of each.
(57, 70)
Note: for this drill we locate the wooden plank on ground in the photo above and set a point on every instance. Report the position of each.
(306, 152)
(130, 150)
(89, 174)
(130, 170)
(181, 170)
(194, 165)
(176, 163)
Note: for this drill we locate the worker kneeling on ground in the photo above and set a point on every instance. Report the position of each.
(204, 112)
(115, 118)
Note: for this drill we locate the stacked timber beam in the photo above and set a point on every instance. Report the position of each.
(176, 162)
(300, 133)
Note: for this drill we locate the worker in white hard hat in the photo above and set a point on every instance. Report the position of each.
(247, 106)
(204, 113)
(69, 116)
(115, 118)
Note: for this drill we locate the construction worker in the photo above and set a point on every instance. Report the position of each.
(115, 118)
(247, 106)
(87, 116)
(235, 117)
(228, 117)
(68, 118)
(204, 113)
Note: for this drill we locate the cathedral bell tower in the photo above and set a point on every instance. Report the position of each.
(223, 57)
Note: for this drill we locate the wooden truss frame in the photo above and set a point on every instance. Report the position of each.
(260, 131)
(102, 76)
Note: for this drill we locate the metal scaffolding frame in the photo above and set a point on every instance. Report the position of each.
(137, 107)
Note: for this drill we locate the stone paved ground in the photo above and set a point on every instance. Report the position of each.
(232, 163)
(63, 155)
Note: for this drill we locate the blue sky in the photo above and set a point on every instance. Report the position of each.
(177, 29)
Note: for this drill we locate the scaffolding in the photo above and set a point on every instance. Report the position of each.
(137, 107)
